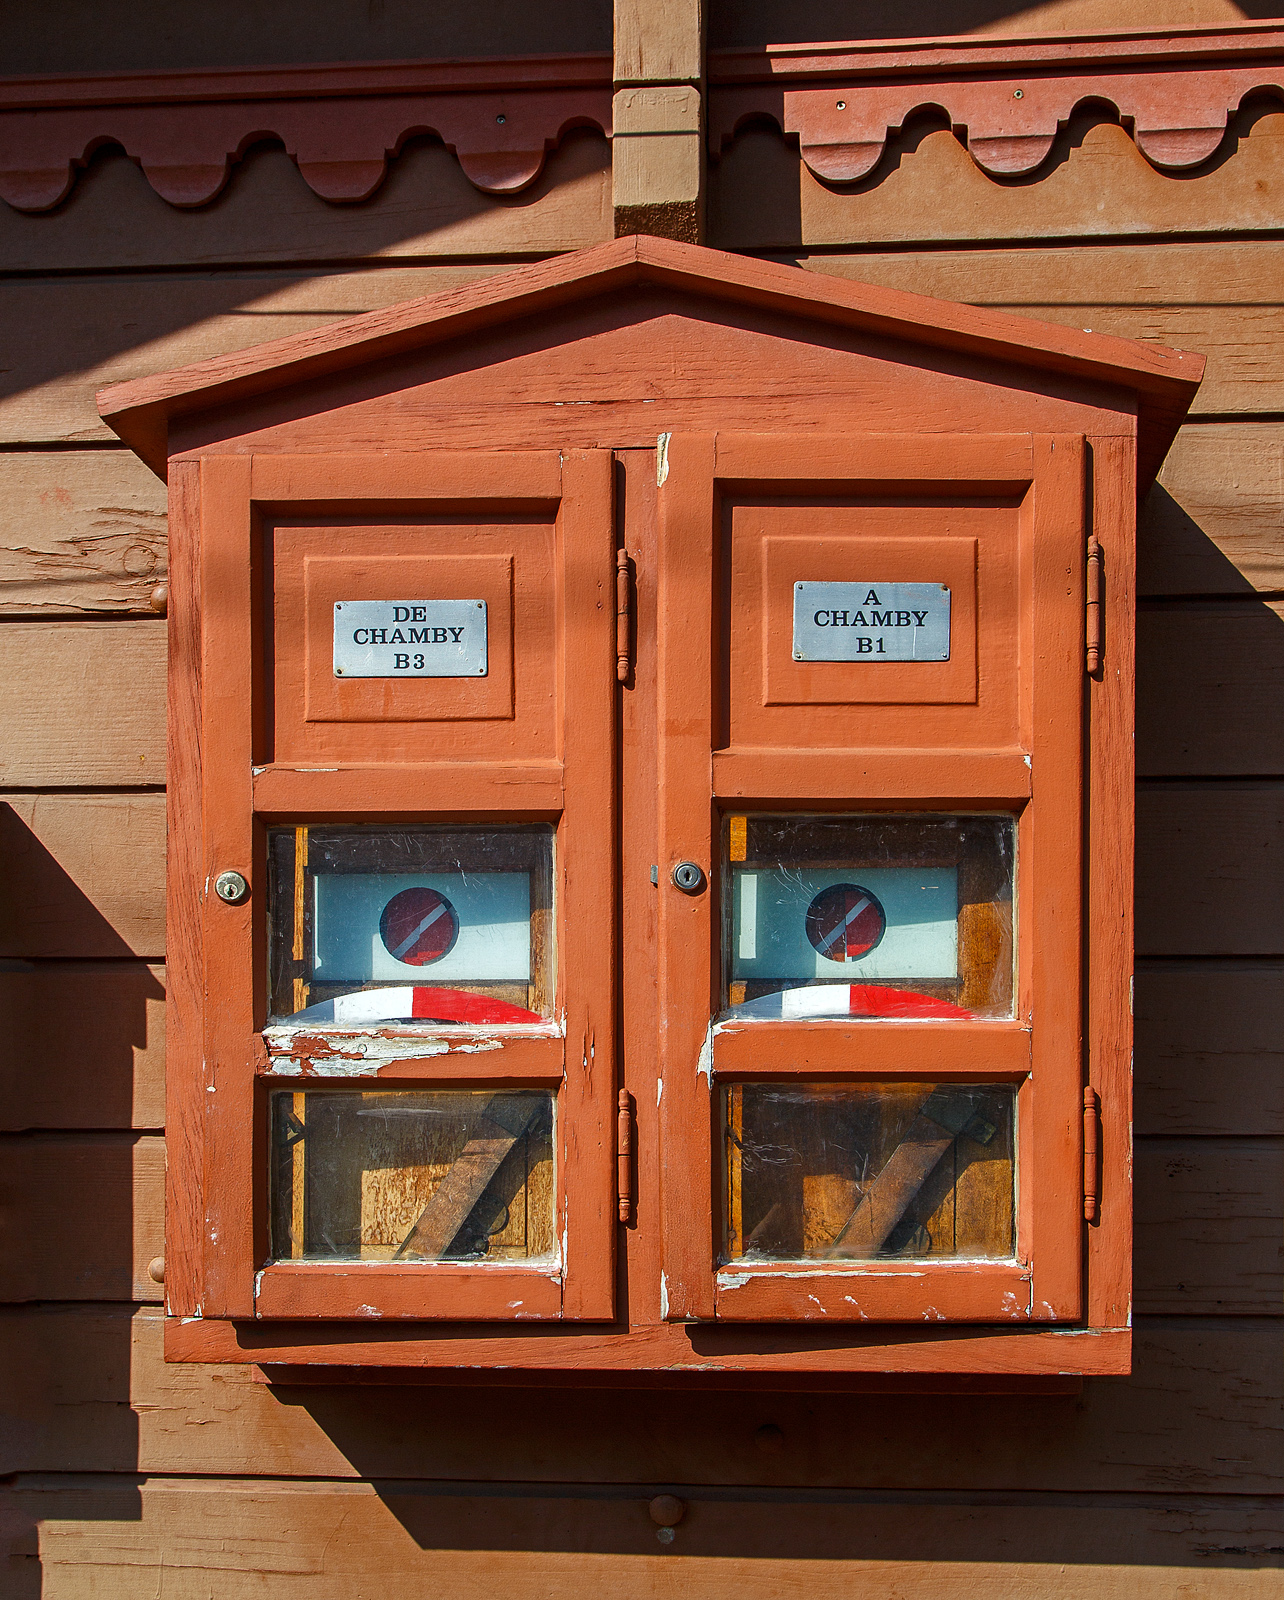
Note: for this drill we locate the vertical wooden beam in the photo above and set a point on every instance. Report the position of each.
(658, 143)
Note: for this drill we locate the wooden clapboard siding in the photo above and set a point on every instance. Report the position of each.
(84, 1045)
(82, 703)
(81, 531)
(84, 875)
(1199, 1411)
(67, 336)
(1219, 298)
(1210, 869)
(426, 209)
(165, 1534)
(70, 336)
(1211, 525)
(1209, 1229)
(100, 1198)
(1165, 1483)
(1099, 186)
(86, 872)
(107, 39)
(1210, 688)
(1209, 1048)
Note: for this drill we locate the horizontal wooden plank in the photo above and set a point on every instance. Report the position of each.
(80, 531)
(1209, 1049)
(1198, 1411)
(70, 336)
(82, 703)
(1210, 688)
(1220, 299)
(84, 875)
(931, 191)
(1211, 524)
(187, 1538)
(83, 1215)
(85, 1046)
(1210, 869)
(1209, 1226)
(426, 208)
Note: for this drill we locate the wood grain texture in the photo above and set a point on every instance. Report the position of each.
(930, 190)
(84, 875)
(1210, 1226)
(80, 532)
(1210, 869)
(1210, 688)
(70, 335)
(1220, 299)
(1211, 523)
(82, 704)
(426, 208)
(84, 1046)
(83, 1215)
(1163, 381)
(98, 1534)
(1210, 1048)
(1197, 1413)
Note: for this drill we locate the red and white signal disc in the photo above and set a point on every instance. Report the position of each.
(418, 926)
(845, 922)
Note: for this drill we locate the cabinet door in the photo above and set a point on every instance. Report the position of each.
(870, 679)
(401, 1066)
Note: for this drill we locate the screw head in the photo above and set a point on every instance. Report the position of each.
(501, 118)
(1018, 94)
(842, 105)
(232, 888)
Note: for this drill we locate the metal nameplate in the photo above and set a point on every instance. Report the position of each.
(410, 638)
(871, 622)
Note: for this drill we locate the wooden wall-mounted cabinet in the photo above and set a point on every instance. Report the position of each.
(667, 721)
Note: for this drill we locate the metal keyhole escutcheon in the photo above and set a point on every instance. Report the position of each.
(688, 877)
(231, 887)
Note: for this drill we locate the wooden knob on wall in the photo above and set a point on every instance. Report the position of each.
(156, 1269)
(158, 600)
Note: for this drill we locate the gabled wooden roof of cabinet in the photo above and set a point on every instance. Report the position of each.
(1160, 383)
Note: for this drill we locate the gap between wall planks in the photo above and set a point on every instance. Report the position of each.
(570, 1541)
(1209, 1218)
(1121, 1436)
(929, 191)
(1225, 1078)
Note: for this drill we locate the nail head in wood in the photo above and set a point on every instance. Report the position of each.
(667, 1510)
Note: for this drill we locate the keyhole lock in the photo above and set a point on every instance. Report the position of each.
(231, 887)
(688, 877)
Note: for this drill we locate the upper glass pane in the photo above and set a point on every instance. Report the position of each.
(885, 916)
(371, 925)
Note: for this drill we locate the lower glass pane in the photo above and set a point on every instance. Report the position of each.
(412, 1175)
(818, 1172)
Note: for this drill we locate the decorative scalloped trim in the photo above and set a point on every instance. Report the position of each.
(1005, 100)
(186, 131)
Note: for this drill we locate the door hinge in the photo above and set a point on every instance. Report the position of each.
(624, 1154)
(623, 615)
(1091, 1145)
(1092, 618)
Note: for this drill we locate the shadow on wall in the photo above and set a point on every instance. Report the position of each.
(125, 35)
(125, 324)
(751, 22)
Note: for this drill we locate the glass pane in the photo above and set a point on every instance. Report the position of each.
(815, 1172)
(383, 925)
(891, 916)
(412, 1175)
